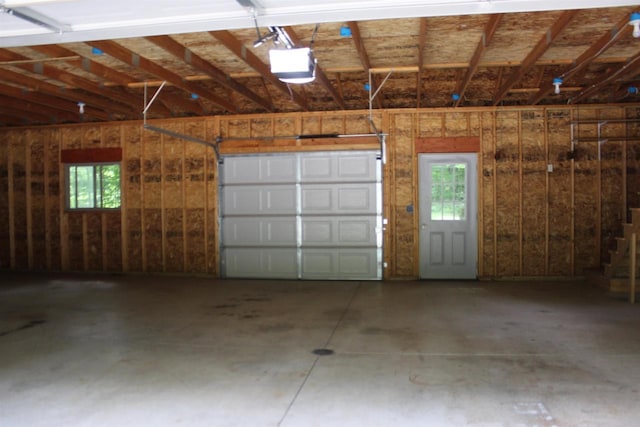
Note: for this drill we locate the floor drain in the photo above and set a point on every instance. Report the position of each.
(322, 352)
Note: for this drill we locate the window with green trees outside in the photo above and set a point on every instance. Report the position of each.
(93, 186)
(448, 192)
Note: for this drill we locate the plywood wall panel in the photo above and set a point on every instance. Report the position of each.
(93, 242)
(111, 135)
(333, 125)
(508, 194)
(534, 193)
(19, 146)
(153, 248)
(196, 261)
(112, 245)
(5, 181)
(613, 188)
(75, 240)
(36, 231)
(285, 126)
(311, 125)
(174, 240)
(261, 127)
(133, 227)
(152, 170)
(53, 203)
(632, 159)
(456, 124)
(487, 206)
(403, 204)
(560, 193)
(72, 137)
(92, 136)
(172, 173)
(430, 124)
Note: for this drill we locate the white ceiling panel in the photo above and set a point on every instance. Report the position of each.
(99, 19)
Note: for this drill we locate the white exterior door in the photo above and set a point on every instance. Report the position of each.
(448, 216)
(302, 216)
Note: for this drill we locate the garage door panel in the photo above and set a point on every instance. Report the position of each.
(302, 215)
(350, 231)
(339, 264)
(265, 231)
(260, 263)
(345, 167)
(252, 170)
(339, 199)
(259, 200)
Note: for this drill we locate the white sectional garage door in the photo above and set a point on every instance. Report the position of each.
(302, 216)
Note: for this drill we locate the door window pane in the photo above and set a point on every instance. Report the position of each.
(448, 192)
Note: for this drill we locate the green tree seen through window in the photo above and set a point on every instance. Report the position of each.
(93, 186)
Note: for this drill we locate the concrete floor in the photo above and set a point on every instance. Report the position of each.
(80, 350)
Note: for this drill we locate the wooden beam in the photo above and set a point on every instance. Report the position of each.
(114, 77)
(180, 51)
(485, 40)
(320, 74)
(455, 144)
(540, 48)
(93, 102)
(128, 57)
(72, 80)
(364, 59)
(608, 39)
(422, 42)
(39, 113)
(88, 65)
(50, 101)
(235, 45)
(631, 67)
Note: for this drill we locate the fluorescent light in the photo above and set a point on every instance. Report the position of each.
(293, 65)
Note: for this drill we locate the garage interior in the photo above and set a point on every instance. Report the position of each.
(287, 253)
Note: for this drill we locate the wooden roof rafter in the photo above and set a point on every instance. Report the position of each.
(540, 48)
(320, 74)
(364, 59)
(237, 47)
(188, 56)
(71, 80)
(39, 110)
(489, 31)
(422, 43)
(116, 77)
(131, 58)
(93, 103)
(629, 68)
(600, 46)
(48, 101)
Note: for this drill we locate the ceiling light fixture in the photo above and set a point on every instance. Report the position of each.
(557, 82)
(634, 20)
(81, 107)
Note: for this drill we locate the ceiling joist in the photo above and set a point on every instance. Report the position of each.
(540, 48)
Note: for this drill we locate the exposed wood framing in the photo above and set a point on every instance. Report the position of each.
(320, 74)
(237, 48)
(364, 59)
(422, 42)
(541, 47)
(125, 55)
(607, 40)
(196, 61)
(485, 40)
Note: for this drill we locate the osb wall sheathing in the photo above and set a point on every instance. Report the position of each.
(532, 221)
